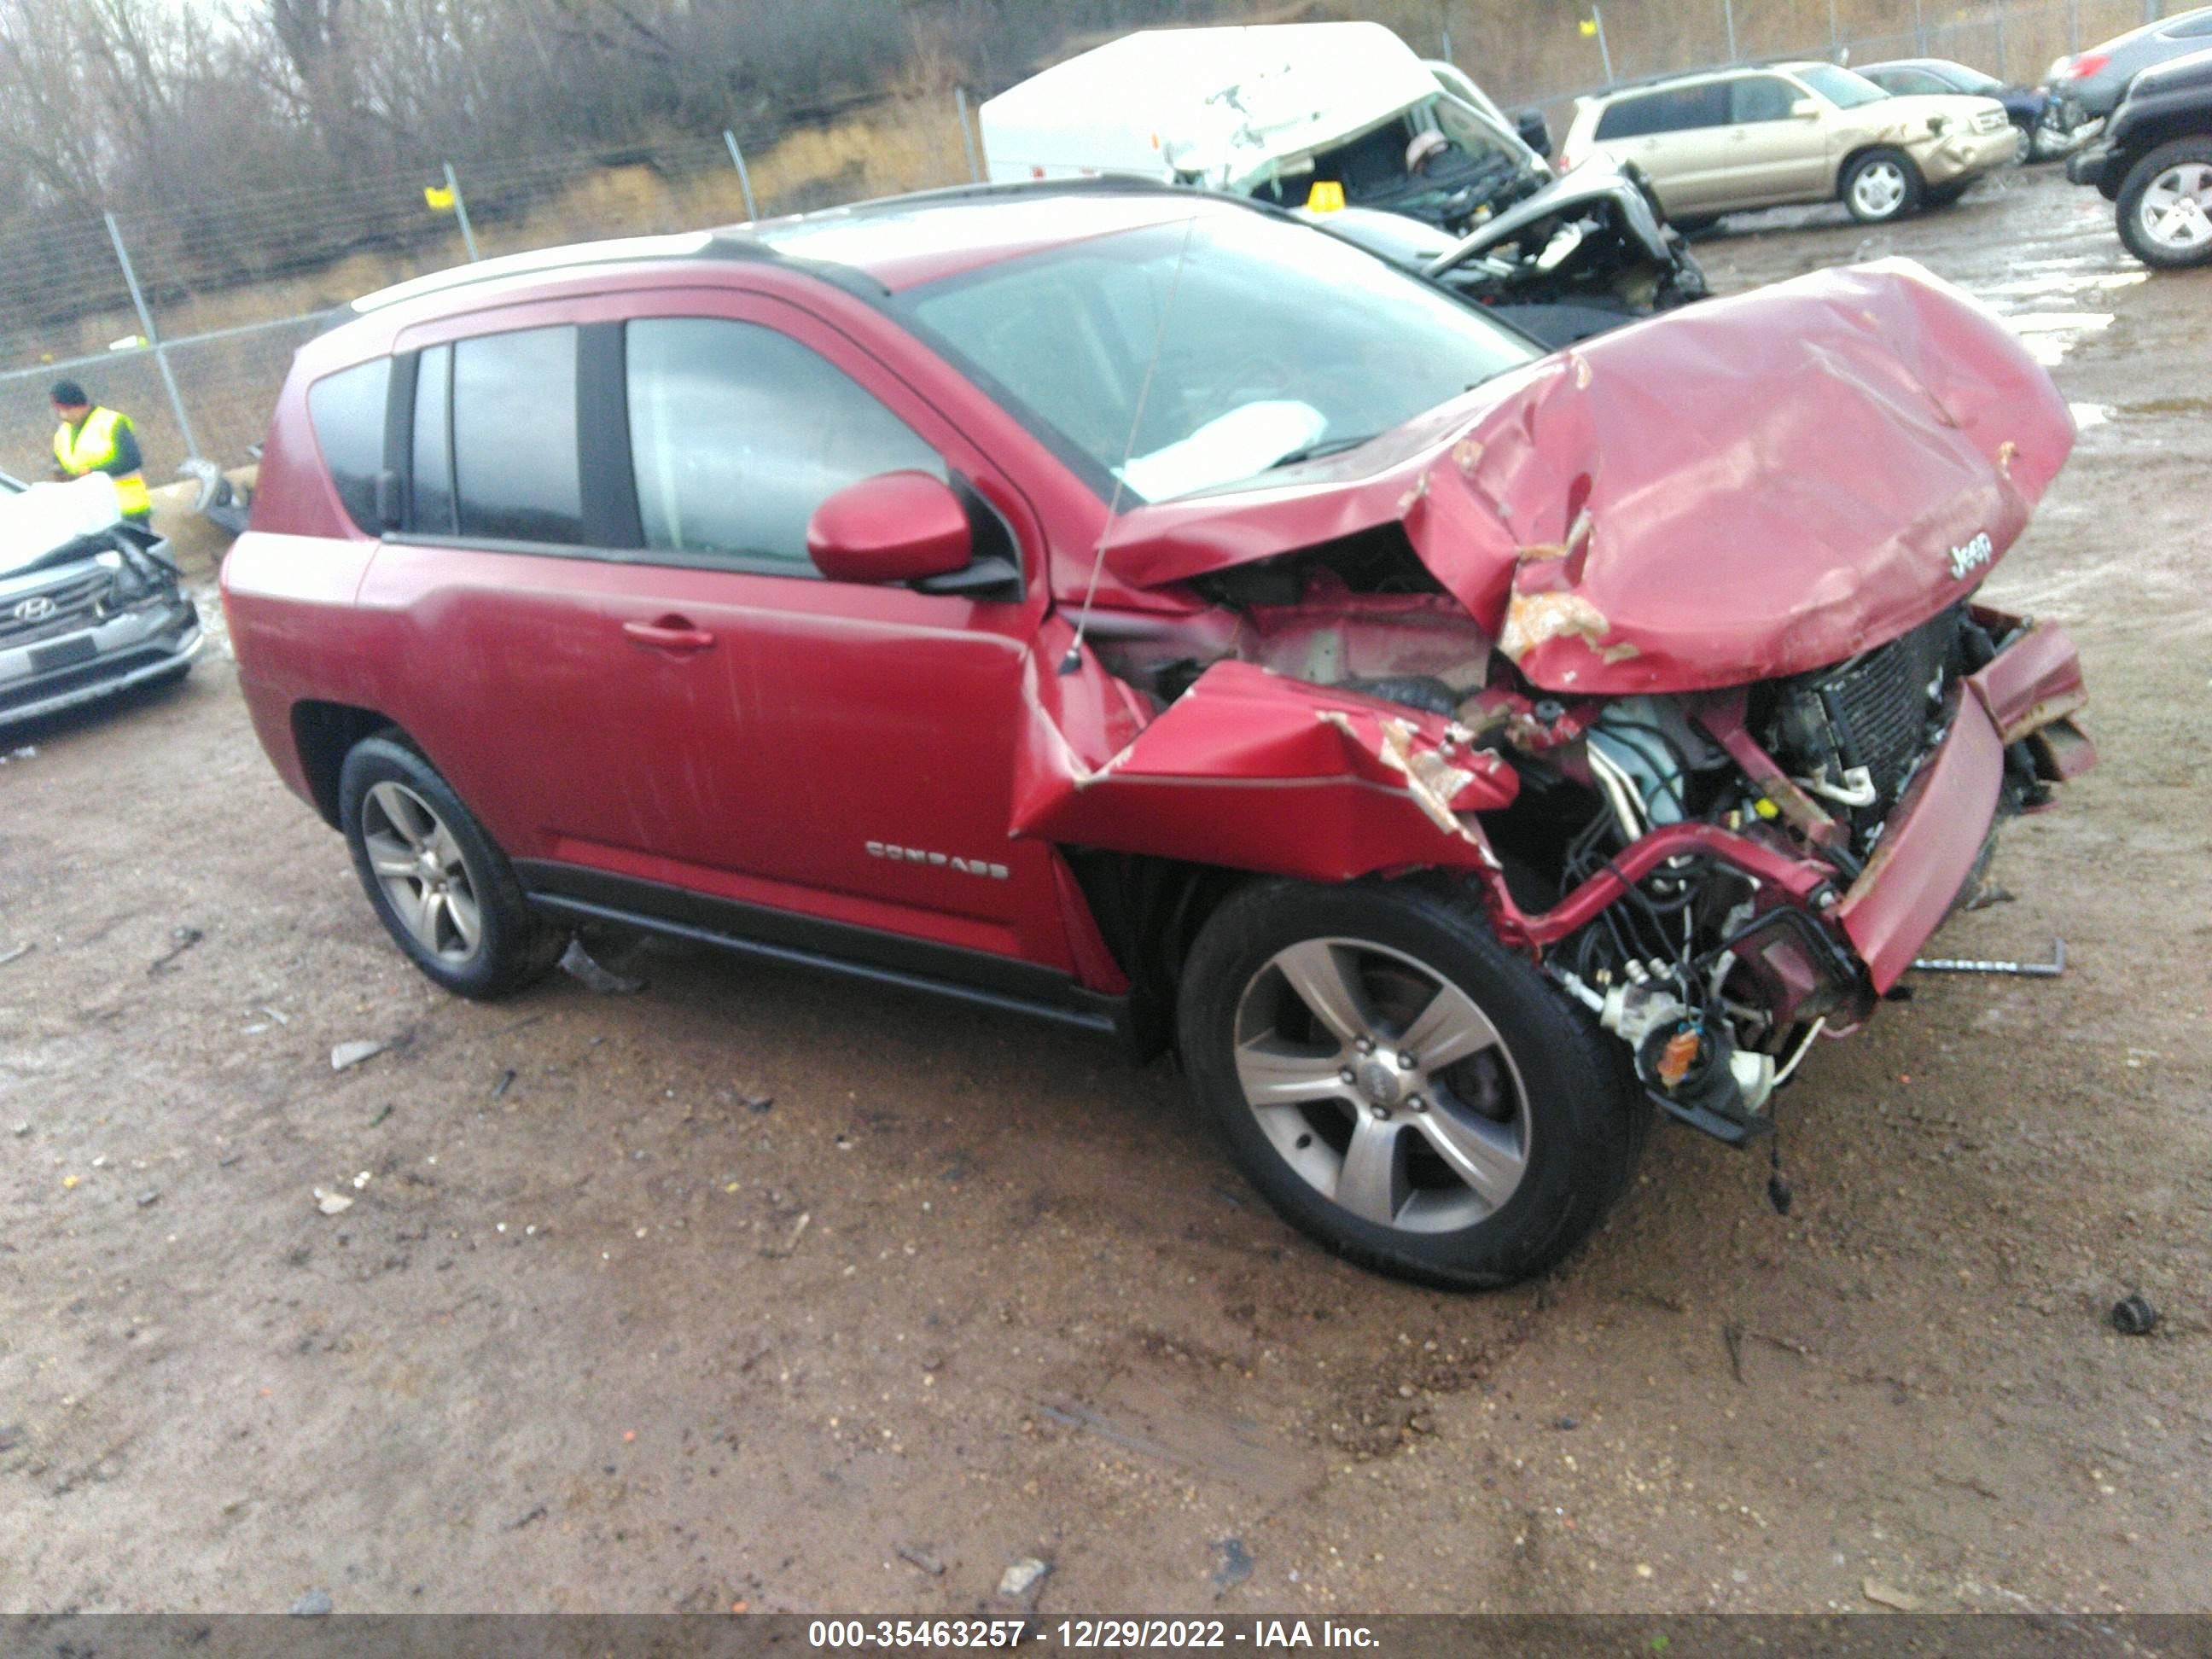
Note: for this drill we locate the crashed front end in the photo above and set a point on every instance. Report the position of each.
(1768, 860)
(1674, 651)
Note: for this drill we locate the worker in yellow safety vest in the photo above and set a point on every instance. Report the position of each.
(94, 440)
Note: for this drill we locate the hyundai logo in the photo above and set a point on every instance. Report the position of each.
(37, 608)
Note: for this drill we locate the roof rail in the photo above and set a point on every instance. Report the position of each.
(1644, 83)
(574, 256)
(737, 241)
(1089, 183)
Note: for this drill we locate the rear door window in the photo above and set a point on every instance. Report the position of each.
(738, 433)
(1760, 98)
(515, 470)
(346, 410)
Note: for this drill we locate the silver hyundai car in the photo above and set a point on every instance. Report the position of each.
(90, 605)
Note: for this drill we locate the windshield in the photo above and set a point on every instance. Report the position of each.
(1973, 81)
(1273, 342)
(1839, 85)
(1472, 131)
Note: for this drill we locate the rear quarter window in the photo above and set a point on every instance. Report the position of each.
(1675, 109)
(347, 411)
(1631, 117)
(1760, 98)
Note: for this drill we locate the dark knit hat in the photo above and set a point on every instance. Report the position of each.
(67, 393)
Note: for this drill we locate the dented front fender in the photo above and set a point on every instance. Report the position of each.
(1250, 770)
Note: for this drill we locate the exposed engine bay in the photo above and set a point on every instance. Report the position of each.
(1714, 975)
(1562, 262)
(1598, 236)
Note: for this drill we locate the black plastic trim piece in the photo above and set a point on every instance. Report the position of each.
(609, 484)
(398, 445)
(865, 953)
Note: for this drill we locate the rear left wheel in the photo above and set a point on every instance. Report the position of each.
(444, 892)
(1401, 1087)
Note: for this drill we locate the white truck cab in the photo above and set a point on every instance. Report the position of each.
(1323, 118)
(1265, 109)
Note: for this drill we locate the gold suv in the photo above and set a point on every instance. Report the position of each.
(1728, 140)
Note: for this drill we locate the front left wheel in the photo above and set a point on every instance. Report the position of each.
(1401, 1087)
(444, 892)
(1881, 186)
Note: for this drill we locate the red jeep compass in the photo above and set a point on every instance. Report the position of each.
(1134, 608)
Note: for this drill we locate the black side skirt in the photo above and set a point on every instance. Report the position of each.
(863, 953)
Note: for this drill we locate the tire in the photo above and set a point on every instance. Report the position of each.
(1533, 1098)
(1881, 186)
(471, 929)
(2163, 210)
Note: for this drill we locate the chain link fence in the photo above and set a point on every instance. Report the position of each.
(2015, 41)
(187, 316)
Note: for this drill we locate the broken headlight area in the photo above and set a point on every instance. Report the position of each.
(1686, 866)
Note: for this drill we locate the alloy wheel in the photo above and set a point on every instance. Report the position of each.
(2176, 210)
(1879, 189)
(419, 866)
(1383, 1084)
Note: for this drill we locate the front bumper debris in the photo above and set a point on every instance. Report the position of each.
(1933, 838)
(126, 650)
(1968, 156)
(2087, 167)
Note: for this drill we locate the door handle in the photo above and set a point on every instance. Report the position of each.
(670, 634)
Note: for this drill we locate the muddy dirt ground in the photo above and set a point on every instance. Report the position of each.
(751, 1288)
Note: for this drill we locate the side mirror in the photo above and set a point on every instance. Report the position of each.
(1805, 109)
(894, 528)
(1534, 131)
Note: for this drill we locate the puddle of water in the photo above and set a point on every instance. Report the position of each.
(2062, 284)
(2061, 322)
(2050, 335)
(2089, 415)
(2170, 406)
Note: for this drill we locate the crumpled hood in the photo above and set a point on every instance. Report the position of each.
(48, 518)
(1740, 490)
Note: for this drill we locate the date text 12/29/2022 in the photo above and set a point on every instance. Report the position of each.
(1073, 1635)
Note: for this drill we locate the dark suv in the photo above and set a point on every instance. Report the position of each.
(1134, 608)
(2154, 163)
